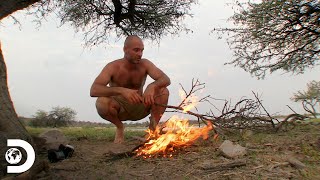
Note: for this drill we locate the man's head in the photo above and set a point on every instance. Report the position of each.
(133, 49)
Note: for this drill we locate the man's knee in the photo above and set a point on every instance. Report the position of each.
(162, 96)
(106, 107)
(163, 92)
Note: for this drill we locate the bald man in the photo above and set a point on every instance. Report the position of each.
(119, 88)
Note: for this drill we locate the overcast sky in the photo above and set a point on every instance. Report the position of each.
(49, 67)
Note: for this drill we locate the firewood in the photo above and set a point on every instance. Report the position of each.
(224, 166)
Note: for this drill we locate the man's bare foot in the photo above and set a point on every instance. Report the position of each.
(119, 138)
(153, 124)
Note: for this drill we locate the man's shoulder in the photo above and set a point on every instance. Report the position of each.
(146, 61)
(116, 62)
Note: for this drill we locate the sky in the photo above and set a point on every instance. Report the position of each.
(49, 66)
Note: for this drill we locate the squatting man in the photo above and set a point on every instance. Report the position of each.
(119, 88)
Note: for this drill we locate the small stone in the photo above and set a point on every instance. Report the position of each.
(231, 150)
(54, 138)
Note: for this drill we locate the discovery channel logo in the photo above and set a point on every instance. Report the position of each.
(14, 156)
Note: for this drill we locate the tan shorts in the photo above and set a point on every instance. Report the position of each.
(130, 111)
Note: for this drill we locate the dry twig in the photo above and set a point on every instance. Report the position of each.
(225, 166)
(245, 114)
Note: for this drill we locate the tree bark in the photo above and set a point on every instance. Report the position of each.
(9, 6)
(10, 125)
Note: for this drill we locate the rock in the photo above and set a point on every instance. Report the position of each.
(231, 150)
(296, 163)
(39, 143)
(54, 138)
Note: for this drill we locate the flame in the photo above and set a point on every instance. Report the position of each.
(191, 101)
(177, 133)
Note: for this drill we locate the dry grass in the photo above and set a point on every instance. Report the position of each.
(266, 158)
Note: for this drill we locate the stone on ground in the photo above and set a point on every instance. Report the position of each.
(231, 150)
(54, 138)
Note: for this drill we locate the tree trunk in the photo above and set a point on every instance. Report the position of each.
(9, 6)
(10, 125)
(312, 111)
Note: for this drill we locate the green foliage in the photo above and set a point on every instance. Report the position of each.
(312, 92)
(36, 131)
(94, 133)
(315, 120)
(99, 19)
(309, 98)
(275, 35)
(310, 151)
(57, 117)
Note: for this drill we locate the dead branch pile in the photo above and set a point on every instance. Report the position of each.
(245, 114)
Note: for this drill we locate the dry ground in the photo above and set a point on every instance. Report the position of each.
(266, 158)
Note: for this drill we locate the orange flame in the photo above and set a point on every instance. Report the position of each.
(191, 100)
(177, 133)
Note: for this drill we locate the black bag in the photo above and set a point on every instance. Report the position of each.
(64, 152)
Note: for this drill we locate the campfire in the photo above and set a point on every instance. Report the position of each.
(176, 134)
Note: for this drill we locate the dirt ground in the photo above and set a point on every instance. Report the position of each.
(266, 158)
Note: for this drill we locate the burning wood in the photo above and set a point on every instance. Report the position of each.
(178, 133)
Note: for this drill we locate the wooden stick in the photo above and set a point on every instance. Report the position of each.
(256, 96)
(225, 166)
(200, 116)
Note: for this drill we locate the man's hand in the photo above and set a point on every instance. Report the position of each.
(132, 96)
(148, 95)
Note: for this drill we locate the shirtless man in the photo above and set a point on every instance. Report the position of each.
(119, 88)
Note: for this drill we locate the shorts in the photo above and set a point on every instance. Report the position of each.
(130, 111)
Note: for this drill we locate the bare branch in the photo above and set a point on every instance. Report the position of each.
(244, 114)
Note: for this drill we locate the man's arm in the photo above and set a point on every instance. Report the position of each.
(161, 80)
(99, 87)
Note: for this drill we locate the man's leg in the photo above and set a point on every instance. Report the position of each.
(161, 97)
(108, 109)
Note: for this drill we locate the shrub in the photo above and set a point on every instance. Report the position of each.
(57, 117)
